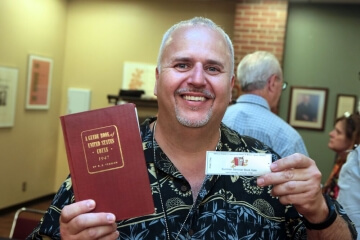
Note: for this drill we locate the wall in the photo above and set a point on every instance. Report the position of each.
(101, 35)
(322, 50)
(260, 26)
(28, 149)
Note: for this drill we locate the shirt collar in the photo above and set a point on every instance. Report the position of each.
(254, 99)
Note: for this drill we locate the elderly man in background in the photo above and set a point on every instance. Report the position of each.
(261, 80)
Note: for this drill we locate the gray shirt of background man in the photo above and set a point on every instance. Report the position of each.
(261, 80)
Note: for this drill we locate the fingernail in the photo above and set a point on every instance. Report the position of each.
(90, 204)
(260, 181)
(110, 217)
(274, 166)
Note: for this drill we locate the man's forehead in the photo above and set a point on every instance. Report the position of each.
(195, 33)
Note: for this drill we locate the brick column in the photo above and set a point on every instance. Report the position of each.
(260, 25)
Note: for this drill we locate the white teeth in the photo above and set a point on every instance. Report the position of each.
(194, 98)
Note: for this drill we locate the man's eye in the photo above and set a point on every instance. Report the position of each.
(213, 70)
(181, 66)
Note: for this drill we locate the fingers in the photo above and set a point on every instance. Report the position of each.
(296, 160)
(111, 236)
(78, 222)
(287, 175)
(92, 220)
(296, 192)
(101, 232)
(296, 167)
(296, 180)
(75, 209)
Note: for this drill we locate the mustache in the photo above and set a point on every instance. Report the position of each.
(207, 93)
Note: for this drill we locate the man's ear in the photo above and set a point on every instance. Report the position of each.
(157, 78)
(271, 84)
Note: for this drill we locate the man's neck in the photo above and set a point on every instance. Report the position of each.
(186, 140)
(186, 148)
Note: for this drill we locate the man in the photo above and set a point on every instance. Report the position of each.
(261, 80)
(194, 78)
(306, 110)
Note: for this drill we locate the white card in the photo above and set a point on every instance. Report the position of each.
(237, 163)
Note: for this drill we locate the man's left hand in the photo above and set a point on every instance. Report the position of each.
(296, 180)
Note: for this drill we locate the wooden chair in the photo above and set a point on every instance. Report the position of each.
(25, 220)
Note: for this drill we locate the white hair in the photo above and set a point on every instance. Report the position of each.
(256, 68)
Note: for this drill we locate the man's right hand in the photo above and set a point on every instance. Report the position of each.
(77, 222)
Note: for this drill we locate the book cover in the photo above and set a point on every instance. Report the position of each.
(106, 160)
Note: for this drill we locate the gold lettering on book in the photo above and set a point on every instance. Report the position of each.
(103, 158)
(102, 149)
(92, 137)
(107, 141)
(93, 144)
(106, 135)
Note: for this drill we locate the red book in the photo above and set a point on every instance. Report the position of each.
(106, 160)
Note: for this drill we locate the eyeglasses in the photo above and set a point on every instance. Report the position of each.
(284, 86)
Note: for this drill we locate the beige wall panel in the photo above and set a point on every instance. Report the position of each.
(28, 149)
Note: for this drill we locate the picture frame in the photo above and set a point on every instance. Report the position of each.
(307, 109)
(345, 103)
(8, 88)
(39, 82)
(139, 76)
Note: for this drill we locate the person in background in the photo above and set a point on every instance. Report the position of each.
(261, 80)
(341, 141)
(194, 79)
(349, 180)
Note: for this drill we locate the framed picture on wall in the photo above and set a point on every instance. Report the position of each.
(8, 86)
(307, 107)
(38, 82)
(139, 76)
(345, 104)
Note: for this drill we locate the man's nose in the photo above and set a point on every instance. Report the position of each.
(198, 75)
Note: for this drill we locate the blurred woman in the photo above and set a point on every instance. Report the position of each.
(341, 141)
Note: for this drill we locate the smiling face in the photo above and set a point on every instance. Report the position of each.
(195, 79)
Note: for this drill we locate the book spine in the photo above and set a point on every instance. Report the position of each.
(69, 157)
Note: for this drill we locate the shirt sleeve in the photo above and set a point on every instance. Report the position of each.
(349, 180)
(49, 225)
